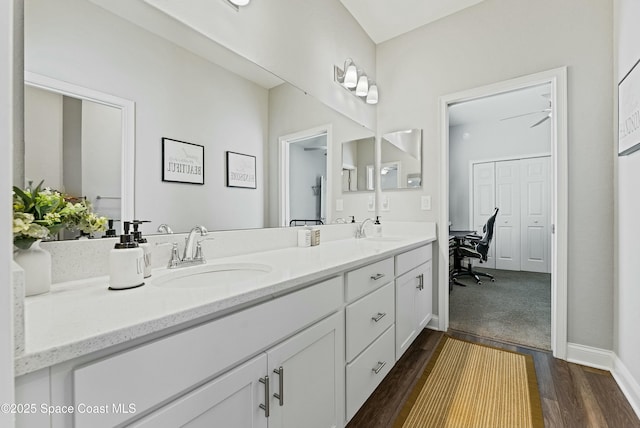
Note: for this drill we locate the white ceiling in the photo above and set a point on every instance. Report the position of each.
(386, 19)
(494, 108)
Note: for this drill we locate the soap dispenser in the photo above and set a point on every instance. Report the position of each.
(377, 228)
(353, 218)
(111, 232)
(126, 263)
(142, 243)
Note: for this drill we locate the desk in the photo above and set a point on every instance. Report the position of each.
(455, 261)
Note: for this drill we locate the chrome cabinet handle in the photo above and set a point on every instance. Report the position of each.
(420, 282)
(379, 316)
(377, 276)
(381, 364)
(265, 406)
(280, 394)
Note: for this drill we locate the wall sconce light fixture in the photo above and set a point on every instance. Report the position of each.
(356, 81)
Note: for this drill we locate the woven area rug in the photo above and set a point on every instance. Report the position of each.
(471, 385)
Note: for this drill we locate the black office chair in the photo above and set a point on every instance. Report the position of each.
(476, 247)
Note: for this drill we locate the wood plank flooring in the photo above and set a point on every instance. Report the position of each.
(571, 395)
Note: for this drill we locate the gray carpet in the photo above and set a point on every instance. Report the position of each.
(515, 308)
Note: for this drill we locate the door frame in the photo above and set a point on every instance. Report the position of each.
(559, 195)
(284, 142)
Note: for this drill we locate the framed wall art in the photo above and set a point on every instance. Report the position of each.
(241, 170)
(629, 112)
(182, 162)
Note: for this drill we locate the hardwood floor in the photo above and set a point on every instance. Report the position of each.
(571, 395)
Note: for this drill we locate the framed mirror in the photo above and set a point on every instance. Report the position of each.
(401, 160)
(358, 159)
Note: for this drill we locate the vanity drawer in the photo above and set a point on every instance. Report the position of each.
(362, 378)
(407, 261)
(362, 327)
(368, 278)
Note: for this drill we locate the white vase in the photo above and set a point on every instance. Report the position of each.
(36, 263)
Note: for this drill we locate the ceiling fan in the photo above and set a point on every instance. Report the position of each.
(546, 117)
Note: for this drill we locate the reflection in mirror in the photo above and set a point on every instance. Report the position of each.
(357, 165)
(75, 141)
(185, 87)
(401, 160)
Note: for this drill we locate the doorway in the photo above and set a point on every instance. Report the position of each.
(556, 81)
(305, 159)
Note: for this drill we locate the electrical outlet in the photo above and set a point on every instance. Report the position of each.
(339, 205)
(371, 205)
(385, 203)
(425, 203)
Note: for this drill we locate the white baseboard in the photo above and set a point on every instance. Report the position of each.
(629, 386)
(590, 356)
(434, 323)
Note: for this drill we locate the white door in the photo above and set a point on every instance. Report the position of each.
(535, 190)
(424, 296)
(484, 196)
(307, 389)
(231, 400)
(507, 227)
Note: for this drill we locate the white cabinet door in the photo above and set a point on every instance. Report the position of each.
(507, 227)
(307, 377)
(413, 305)
(231, 400)
(484, 198)
(536, 247)
(424, 296)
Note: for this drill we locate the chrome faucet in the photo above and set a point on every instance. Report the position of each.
(165, 228)
(360, 233)
(190, 246)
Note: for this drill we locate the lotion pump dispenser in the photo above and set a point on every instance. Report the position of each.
(142, 243)
(377, 228)
(126, 263)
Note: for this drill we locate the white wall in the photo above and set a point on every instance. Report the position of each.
(10, 129)
(298, 40)
(101, 154)
(627, 316)
(43, 137)
(305, 168)
(177, 94)
(487, 141)
(293, 111)
(498, 40)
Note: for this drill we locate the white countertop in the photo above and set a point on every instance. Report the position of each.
(80, 317)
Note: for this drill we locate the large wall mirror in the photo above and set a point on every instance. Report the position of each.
(401, 160)
(189, 89)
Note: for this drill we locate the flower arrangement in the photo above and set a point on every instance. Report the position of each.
(43, 212)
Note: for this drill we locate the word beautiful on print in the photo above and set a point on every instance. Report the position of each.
(182, 162)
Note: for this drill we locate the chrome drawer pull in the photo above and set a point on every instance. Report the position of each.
(379, 316)
(420, 282)
(381, 364)
(377, 276)
(280, 394)
(265, 406)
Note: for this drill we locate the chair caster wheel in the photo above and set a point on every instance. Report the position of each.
(479, 282)
(493, 280)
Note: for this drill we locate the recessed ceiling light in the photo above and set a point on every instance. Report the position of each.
(239, 2)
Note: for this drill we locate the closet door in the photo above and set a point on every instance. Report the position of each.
(484, 197)
(507, 227)
(535, 188)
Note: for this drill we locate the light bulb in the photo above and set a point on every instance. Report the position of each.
(363, 86)
(372, 96)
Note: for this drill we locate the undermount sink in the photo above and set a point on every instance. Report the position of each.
(210, 275)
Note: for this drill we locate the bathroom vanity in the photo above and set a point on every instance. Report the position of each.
(303, 340)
